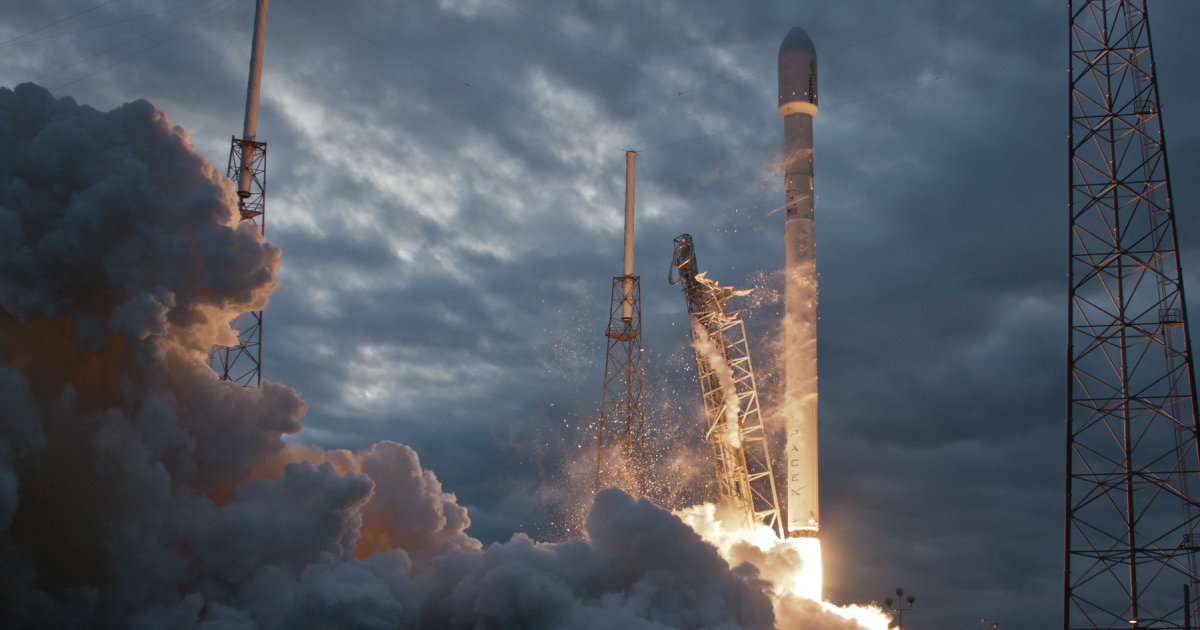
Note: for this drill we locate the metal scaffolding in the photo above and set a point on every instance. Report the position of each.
(242, 363)
(621, 451)
(740, 453)
(621, 445)
(1130, 534)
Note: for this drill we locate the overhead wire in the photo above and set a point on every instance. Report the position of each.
(229, 5)
(856, 100)
(446, 74)
(122, 44)
(860, 42)
(217, 64)
(92, 28)
(69, 17)
(504, 333)
(631, 69)
(509, 102)
(553, 263)
(660, 117)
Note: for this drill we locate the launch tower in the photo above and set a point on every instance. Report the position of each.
(735, 429)
(621, 448)
(248, 169)
(1132, 459)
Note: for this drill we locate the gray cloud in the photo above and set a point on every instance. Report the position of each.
(139, 491)
(416, 215)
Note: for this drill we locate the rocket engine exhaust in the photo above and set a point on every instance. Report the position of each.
(798, 106)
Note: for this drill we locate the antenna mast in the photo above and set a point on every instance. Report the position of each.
(735, 428)
(621, 448)
(248, 169)
(1131, 520)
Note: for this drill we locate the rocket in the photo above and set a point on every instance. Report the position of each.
(798, 106)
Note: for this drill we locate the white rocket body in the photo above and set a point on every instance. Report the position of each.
(798, 106)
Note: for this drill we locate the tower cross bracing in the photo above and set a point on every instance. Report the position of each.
(621, 451)
(242, 363)
(741, 456)
(621, 444)
(1132, 458)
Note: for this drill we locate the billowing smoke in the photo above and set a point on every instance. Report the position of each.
(138, 491)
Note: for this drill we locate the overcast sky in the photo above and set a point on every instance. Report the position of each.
(446, 181)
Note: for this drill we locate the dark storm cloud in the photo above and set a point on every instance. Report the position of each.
(137, 490)
(416, 215)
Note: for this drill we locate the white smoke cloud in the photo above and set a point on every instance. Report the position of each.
(708, 349)
(138, 491)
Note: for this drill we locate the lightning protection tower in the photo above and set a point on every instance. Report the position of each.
(735, 429)
(248, 169)
(621, 447)
(1130, 535)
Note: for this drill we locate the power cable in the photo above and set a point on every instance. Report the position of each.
(657, 196)
(830, 51)
(660, 117)
(633, 70)
(69, 17)
(145, 50)
(744, 76)
(103, 52)
(221, 58)
(681, 183)
(856, 100)
(545, 272)
(447, 74)
(713, 135)
(92, 28)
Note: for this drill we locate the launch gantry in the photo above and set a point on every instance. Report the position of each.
(740, 453)
(242, 363)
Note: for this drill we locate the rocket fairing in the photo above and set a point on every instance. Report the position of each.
(798, 106)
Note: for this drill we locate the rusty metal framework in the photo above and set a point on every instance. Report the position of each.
(243, 363)
(1132, 459)
(741, 455)
(621, 446)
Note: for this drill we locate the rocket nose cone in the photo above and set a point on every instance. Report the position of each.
(797, 41)
(797, 74)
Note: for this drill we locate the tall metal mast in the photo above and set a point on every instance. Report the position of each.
(1130, 535)
(735, 429)
(248, 168)
(621, 446)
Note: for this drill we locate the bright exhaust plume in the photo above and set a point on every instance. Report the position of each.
(793, 566)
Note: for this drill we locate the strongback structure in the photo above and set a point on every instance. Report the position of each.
(735, 429)
(621, 448)
(248, 169)
(1130, 535)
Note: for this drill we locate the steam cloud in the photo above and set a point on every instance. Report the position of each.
(708, 349)
(138, 491)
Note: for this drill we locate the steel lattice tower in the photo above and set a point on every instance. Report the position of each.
(242, 363)
(1130, 535)
(621, 444)
(740, 454)
(621, 452)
